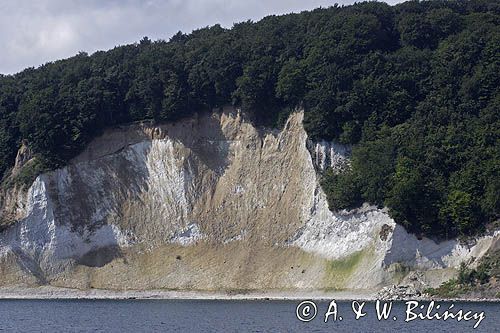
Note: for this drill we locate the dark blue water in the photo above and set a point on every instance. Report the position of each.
(218, 316)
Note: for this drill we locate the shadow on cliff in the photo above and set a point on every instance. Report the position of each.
(30, 265)
(89, 196)
(202, 134)
(100, 257)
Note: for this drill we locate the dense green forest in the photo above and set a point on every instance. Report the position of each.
(415, 88)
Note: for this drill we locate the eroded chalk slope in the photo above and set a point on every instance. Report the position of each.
(211, 203)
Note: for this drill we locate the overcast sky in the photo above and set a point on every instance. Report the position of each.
(33, 32)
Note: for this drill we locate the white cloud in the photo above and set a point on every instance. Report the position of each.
(34, 32)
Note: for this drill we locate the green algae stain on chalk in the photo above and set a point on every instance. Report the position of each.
(338, 272)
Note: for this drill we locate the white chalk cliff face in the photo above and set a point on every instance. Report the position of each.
(209, 203)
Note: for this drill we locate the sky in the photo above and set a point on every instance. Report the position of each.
(35, 32)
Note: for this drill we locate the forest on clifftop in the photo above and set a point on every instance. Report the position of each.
(414, 87)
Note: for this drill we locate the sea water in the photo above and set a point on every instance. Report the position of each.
(228, 316)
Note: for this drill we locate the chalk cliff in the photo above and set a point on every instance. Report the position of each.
(209, 203)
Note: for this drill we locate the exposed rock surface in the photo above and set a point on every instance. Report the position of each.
(209, 203)
(401, 292)
(330, 155)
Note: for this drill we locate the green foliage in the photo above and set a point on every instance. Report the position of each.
(460, 209)
(373, 161)
(28, 173)
(414, 86)
(405, 197)
(448, 289)
(490, 266)
(466, 276)
(291, 82)
(341, 189)
(470, 279)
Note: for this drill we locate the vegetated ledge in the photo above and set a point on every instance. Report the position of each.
(479, 282)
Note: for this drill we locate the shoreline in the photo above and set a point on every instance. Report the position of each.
(57, 293)
(49, 292)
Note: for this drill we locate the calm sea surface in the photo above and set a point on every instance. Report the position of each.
(219, 316)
